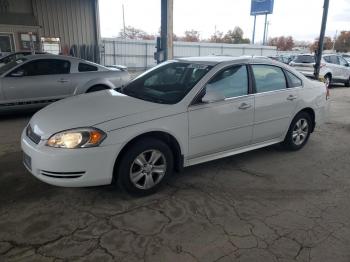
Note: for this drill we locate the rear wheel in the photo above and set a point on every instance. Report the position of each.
(347, 83)
(96, 88)
(299, 132)
(145, 166)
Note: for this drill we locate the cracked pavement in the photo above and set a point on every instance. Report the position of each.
(265, 205)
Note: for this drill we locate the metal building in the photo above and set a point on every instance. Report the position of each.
(64, 26)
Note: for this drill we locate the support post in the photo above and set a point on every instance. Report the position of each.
(318, 55)
(265, 24)
(253, 37)
(166, 28)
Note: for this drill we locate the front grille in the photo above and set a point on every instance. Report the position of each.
(32, 136)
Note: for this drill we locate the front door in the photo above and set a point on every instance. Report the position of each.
(37, 80)
(275, 103)
(226, 124)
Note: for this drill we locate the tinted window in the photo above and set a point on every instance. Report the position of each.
(11, 65)
(167, 83)
(268, 78)
(44, 67)
(82, 67)
(304, 59)
(230, 82)
(294, 81)
(327, 59)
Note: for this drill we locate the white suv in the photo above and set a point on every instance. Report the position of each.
(333, 69)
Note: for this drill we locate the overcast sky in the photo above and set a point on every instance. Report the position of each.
(298, 18)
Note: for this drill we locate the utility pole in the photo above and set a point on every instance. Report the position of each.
(267, 32)
(253, 37)
(124, 22)
(320, 41)
(166, 29)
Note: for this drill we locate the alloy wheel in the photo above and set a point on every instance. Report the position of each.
(300, 131)
(148, 169)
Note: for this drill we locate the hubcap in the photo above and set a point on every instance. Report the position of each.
(148, 169)
(300, 131)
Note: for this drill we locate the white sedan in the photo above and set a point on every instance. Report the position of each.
(180, 113)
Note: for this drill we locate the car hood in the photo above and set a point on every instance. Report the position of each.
(87, 110)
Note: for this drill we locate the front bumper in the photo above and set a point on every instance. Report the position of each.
(69, 167)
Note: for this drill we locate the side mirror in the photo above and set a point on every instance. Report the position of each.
(17, 73)
(212, 96)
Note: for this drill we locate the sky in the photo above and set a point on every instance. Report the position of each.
(298, 18)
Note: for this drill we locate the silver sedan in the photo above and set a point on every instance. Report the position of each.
(36, 80)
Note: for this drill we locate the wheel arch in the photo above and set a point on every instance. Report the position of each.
(84, 87)
(163, 136)
(311, 112)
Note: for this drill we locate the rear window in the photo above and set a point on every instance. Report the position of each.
(304, 59)
(82, 67)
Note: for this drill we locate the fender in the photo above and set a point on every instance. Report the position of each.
(83, 87)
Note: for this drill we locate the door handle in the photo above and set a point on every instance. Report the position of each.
(63, 81)
(291, 97)
(244, 106)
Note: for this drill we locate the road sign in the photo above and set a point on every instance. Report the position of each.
(261, 7)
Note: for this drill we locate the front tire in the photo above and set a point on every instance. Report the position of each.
(145, 166)
(299, 132)
(347, 83)
(96, 88)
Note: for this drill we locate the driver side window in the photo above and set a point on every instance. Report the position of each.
(231, 82)
(42, 67)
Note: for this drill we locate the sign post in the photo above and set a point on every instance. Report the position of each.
(261, 7)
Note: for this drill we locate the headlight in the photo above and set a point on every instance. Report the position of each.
(77, 138)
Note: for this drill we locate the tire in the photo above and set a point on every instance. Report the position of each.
(298, 132)
(136, 172)
(347, 83)
(328, 80)
(96, 88)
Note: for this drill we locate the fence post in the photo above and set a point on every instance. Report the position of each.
(146, 65)
(114, 58)
(199, 50)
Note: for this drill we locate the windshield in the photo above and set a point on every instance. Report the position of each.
(304, 59)
(167, 84)
(11, 65)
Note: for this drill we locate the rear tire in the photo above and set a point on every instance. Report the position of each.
(145, 166)
(96, 88)
(299, 132)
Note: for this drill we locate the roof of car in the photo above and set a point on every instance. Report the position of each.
(213, 60)
(50, 56)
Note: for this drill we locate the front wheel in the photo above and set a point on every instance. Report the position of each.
(145, 166)
(299, 132)
(347, 83)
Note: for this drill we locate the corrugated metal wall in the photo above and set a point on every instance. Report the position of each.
(138, 54)
(74, 21)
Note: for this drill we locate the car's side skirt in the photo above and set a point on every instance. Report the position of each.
(231, 152)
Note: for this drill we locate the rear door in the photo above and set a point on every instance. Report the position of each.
(37, 80)
(275, 103)
(345, 69)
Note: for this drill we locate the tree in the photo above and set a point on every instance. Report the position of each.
(135, 33)
(342, 43)
(327, 44)
(217, 37)
(282, 43)
(191, 36)
(235, 36)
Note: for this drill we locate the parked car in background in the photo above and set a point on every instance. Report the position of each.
(180, 113)
(333, 69)
(281, 58)
(37, 80)
(14, 56)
